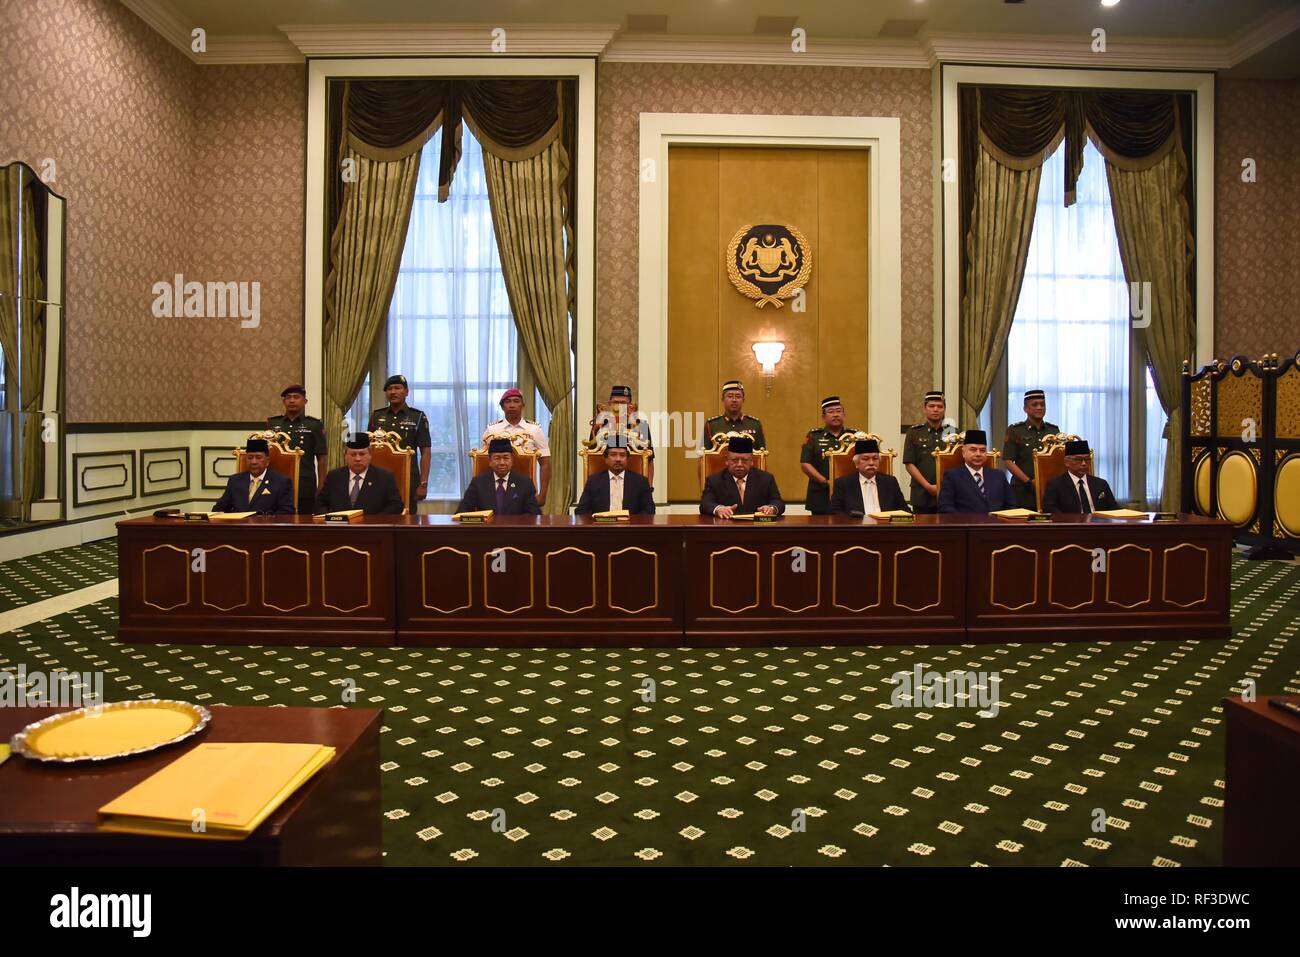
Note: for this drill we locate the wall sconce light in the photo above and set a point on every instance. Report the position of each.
(768, 355)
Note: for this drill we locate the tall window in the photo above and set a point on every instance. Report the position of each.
(450, 330)
(1072, 336)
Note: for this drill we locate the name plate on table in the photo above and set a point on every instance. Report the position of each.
(197, 517)
(472, 518)
(1039, 517)
(1164, 516)
(347, 515)
(902, 520)
(617, 515)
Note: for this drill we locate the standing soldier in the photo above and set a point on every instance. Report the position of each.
(306, 433)
(511, 423)
(733, 418)
(813, 457)
(1022, 441)
(918, 448)
(412, 425)
(620, 415)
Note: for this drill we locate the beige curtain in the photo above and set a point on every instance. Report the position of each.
(365, 252)
(529, 214)
(997, 248)
(22, 332)
(1153, 223)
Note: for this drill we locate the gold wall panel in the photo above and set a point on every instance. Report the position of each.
(1187, 572)
(713, 575)
(1286, 495)
(207, 576)
(711, 193)
(1066, 575)
(934, 572)
(489, 575)
(305, 577)
(183, 557)
(625, 556)
(1237, 488)
(1128, 577)
(835, 577)
(1011, 579)
(812, 559)
(1287, 416)
(424, 578)
(328, 588)
(1239, 398)
(1202, 483)
(590, 576)
(1201, 391)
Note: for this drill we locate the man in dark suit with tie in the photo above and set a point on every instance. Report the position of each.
(360, 484)
(504, 491)
(1076, 491)
(741, 489)
(257, 488)
(616, 488)
(866, 490)
(973, 487)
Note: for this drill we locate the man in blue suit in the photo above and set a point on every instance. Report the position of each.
(257, 488)
(500, 488)
(973, 487)
(616, 487)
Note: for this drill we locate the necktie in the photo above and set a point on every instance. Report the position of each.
(615, 492)
(253, 486)
(870, 497)
(1083, 499)
(740, 489)
(979, 482)
(356, 489)
(501, 495)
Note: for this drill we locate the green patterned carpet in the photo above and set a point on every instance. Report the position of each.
(24, 581)
(761, 756)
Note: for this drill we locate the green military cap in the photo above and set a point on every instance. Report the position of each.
(829, 401)
(292, 390)
(395, 380)
(732, 384)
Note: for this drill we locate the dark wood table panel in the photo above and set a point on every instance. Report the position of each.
(263, 580)
(1261, 782)
(48, 813)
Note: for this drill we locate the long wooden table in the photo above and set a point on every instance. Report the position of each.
(670, 580)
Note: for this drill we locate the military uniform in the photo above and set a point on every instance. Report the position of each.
(1019, 446)
(918, 447)
(815, 446)
(307, 433)
(745, 425)
(413, 426)
(636, 423)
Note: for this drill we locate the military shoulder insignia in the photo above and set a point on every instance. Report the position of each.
(769, 262)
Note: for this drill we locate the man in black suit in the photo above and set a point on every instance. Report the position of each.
(1076, 491)
(504, 491)
(867, 491)
(616, 488)
(257, 488)
(741, 489)
(973, 487)
(360, 484)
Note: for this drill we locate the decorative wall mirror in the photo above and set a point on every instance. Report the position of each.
(32, 221)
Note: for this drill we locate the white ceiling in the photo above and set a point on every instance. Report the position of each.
(1243, 37)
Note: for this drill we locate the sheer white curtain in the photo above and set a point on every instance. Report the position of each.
(1070, 334)
(450, 331)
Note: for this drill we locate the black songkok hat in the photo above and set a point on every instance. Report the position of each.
(740, 443)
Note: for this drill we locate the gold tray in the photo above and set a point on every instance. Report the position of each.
(104, 732)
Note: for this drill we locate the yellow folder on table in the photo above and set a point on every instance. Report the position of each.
(617, 515)
(220, 791)
(1120, 513)
(228, 516)
(1014, 513)
(4, 753)
(892, 513)
(472, 516)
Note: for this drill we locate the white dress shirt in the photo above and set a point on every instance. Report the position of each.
(1092, 506)
(536, 437)
(870, 494)
(615, 491)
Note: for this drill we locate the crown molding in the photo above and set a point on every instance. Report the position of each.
(224, 50)
(453, 39)
(1264, 34)
(667, 48)
(1075, 51)
(160, 15)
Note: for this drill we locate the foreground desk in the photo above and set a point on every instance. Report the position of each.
(48, 811)
(672, 579)
(1261, 778)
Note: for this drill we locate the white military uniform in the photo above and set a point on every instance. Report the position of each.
(536, 437)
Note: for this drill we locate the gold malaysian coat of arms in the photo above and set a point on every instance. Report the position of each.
(769, 262)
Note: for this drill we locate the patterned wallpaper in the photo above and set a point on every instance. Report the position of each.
(167, 167)
(1257, 225)
(626, 90)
